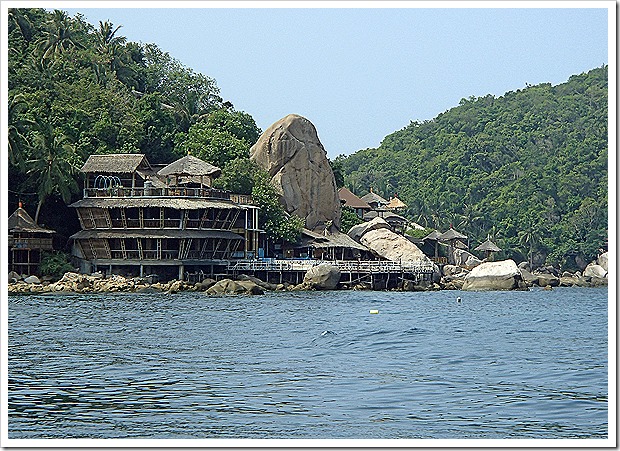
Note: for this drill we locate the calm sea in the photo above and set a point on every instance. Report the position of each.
(310, 365)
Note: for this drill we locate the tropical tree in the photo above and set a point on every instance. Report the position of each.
(18, 127)
(60, 35)
(54, 165)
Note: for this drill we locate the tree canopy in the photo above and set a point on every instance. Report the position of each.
(528, 168)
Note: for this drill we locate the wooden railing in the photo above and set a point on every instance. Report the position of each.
(354, 266)
(31, 243)
(205, 193)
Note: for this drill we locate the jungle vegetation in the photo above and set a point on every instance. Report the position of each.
(527, 169)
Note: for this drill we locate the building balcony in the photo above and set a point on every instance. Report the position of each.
(203, 193)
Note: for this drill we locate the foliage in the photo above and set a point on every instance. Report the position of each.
(529, 167)
(419, 233)
(349, 219)
(55, 264)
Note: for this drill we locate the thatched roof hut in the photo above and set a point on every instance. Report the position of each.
(395, 204)
(21, 221)
(191, 169)
(487, 247)
(374, 200)
(348, 199)
(451, 235)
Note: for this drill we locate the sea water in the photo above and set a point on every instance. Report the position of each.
(310, 365)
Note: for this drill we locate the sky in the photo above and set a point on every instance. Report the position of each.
(359, 73)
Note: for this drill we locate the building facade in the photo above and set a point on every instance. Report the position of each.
(137, 220)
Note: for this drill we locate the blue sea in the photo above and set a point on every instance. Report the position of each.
(310, 365)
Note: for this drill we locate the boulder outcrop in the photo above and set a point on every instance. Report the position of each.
(594, 270)
(392, 246)
(357, 231)
(489, 276)
(602, 261)
(290, 151)
(322, 277)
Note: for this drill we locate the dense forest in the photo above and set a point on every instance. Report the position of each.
(527, 169)
(76, 89)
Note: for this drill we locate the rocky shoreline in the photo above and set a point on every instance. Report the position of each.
(323, 277)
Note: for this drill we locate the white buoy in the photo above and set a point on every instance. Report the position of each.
(374, 312)
(458, 299)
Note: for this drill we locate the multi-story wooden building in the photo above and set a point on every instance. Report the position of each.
(138, 220)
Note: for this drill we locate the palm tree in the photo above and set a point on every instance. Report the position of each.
(18, 126)
(54, 170)
(60, 35)
(529, 236)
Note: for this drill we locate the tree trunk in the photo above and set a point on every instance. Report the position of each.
(36, 215)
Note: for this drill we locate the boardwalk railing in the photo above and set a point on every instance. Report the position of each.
(349, 266)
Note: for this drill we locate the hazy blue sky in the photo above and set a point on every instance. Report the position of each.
(360, 74)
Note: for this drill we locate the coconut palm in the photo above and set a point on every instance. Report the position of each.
(60, 35)
(18, 126)
(55, 167)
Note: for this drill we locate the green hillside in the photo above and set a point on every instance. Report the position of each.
(528, 168)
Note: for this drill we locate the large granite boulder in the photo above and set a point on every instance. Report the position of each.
(489, 276)
(464, 258)
(290, 151)
(322, 277)
(357, 231)
(594, 270)
(392, 246)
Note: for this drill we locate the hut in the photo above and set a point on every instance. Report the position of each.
(189, 171)
(488, 247)
(348, 199)
(374, 200)
(397, 222)
(27, 242)
(327, 246)
(124, 174)
(395, 204)
(434, 238)
(451, 236)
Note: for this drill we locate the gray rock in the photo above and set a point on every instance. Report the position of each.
(593, 270)
(290, 151)
(528, 277)
(356, 232)
(501, 275)
(260, 283)
(547, 280)
(228, 286)
(602, 261)
(14, 275)
(322, 277)
(464, 258)
(32, 279)
(454, 271)
(392, 246)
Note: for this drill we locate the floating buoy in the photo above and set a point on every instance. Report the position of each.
(374, 312)
(458, 299)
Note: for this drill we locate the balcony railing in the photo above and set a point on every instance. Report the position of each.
(31, 243)
(122, 191)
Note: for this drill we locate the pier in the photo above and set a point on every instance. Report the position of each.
(376, 274)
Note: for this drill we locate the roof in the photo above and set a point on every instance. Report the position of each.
(433, 236)
(451, 234)
(318, 241)
(190, 165)
(179, 203)
(387, 215)
(395, 202)
(488, 245)
(120, 163)
(371, 198)
(156, 233)
(351, 200)
(21, 221)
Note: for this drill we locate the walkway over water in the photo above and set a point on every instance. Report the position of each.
(346, 266)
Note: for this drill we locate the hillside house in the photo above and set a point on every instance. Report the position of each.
(27, 242)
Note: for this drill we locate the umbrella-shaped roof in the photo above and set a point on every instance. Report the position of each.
(450, 235)
(373, 197)
(433, 236)
(395, 203)
(489, 246)
(192, 166)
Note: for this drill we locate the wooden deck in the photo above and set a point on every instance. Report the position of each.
(346, 266)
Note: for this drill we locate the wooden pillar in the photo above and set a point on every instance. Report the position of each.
(181, 272)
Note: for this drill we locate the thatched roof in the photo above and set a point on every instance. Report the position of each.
(351, 200)
(179, 203)
(450, 235)
(433, 236)
(331, 240)
(395, 203)
(387, 215)
(489, 246)
(21, 221)
(123, 163)
(156, 233)
(374, 198)
(192, 166)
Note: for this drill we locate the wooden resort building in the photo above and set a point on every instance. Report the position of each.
(139, 221)
(374, 200)
(27, 242)
(348, 199)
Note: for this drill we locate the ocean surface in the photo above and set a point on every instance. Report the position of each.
(310, 365)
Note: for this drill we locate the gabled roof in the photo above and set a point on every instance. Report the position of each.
(433, 236)
(190, 165)
(488, 245)
(21, 221)
(351, 200)
(395, 203)
(120, 163)
(451, 234)
(373, 197)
